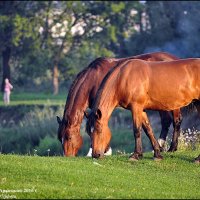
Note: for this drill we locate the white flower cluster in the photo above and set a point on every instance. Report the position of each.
(189, 139)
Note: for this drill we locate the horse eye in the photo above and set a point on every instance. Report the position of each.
(68, 137)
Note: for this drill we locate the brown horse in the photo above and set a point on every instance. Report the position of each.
(82, 94)
(139, 85)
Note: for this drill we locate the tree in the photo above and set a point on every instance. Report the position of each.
(173, 27)
(62, 36)
(68, 25)
(120, 20)
(18, 30)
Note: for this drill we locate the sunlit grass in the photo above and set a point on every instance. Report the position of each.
(112, 177)
(35, 99)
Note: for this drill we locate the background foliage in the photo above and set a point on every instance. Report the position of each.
(71, 34)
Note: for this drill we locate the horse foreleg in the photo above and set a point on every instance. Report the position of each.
(149, 132)
(177, 120)
(166, 121)
(137, 130)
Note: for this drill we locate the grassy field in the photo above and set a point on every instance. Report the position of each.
(31, 177)
(35, 99)
(112, 177)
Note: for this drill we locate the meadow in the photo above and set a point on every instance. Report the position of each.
(114, 177)
(24, 98)
(32, 165)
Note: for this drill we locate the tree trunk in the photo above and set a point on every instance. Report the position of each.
(55, 79)
(6, 67)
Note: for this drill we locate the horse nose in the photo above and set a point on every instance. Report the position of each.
(97, 155)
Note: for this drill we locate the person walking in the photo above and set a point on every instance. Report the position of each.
(7, 90)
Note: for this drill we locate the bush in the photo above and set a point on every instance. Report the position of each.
(48, 146)
(35, 126)
(189, 139)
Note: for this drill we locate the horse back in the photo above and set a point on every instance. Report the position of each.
(163, 82)
(174, 84)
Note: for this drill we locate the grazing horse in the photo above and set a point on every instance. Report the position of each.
(82, 94)
(139, 85)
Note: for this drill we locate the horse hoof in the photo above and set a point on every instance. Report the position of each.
(158, 158)
(133, 159)
(108, 153)
(171, 150)
(197, 161)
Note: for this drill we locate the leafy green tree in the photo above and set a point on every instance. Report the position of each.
(76, 24)
(37, 36)
(18, 30)
(120, 20)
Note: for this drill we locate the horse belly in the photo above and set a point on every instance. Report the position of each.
(170, 100)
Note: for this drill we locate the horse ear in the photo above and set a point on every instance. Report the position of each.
(86, 114)
(58, 120)
(98, 114)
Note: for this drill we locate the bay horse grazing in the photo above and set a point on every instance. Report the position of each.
(139, 85)
(82, 94)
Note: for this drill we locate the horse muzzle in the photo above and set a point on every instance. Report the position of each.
(97, 154)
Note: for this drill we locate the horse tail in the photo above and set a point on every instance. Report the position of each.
(197, 105)
(192, 107)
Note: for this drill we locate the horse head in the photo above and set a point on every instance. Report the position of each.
(69, 137)
(99, 132)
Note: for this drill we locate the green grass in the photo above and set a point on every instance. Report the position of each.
(35, 99)
(112, 177)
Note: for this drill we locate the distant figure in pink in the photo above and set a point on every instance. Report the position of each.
(7, 91)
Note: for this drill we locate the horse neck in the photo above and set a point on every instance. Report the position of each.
(83, 90)
(108, 85)
(77, 100)
(106, 114)
(107, 104)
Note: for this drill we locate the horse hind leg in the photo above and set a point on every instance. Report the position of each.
(149, 132)
(177, 120)
(166, 121)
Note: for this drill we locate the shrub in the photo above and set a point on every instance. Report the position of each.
(26, 136)
(189, 139)
(48, 146)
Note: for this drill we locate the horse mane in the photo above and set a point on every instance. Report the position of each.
(80, 78)
(165, 56)
(109, 75)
